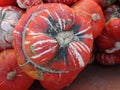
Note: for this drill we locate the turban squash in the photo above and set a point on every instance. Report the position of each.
(108, 42)
(9, 16)
(53, 44)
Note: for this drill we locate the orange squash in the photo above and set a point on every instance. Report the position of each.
(50, 40)
(11, 75)
(92, 12)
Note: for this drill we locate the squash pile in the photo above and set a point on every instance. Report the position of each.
(54, 40)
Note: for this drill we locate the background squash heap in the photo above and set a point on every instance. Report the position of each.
(52, 41)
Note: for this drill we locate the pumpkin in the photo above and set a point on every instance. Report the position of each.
(7, 2)
(9, 16)
(26, 4)
(11, 75)
(92, 12)
(51, 40)
(109, 40)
